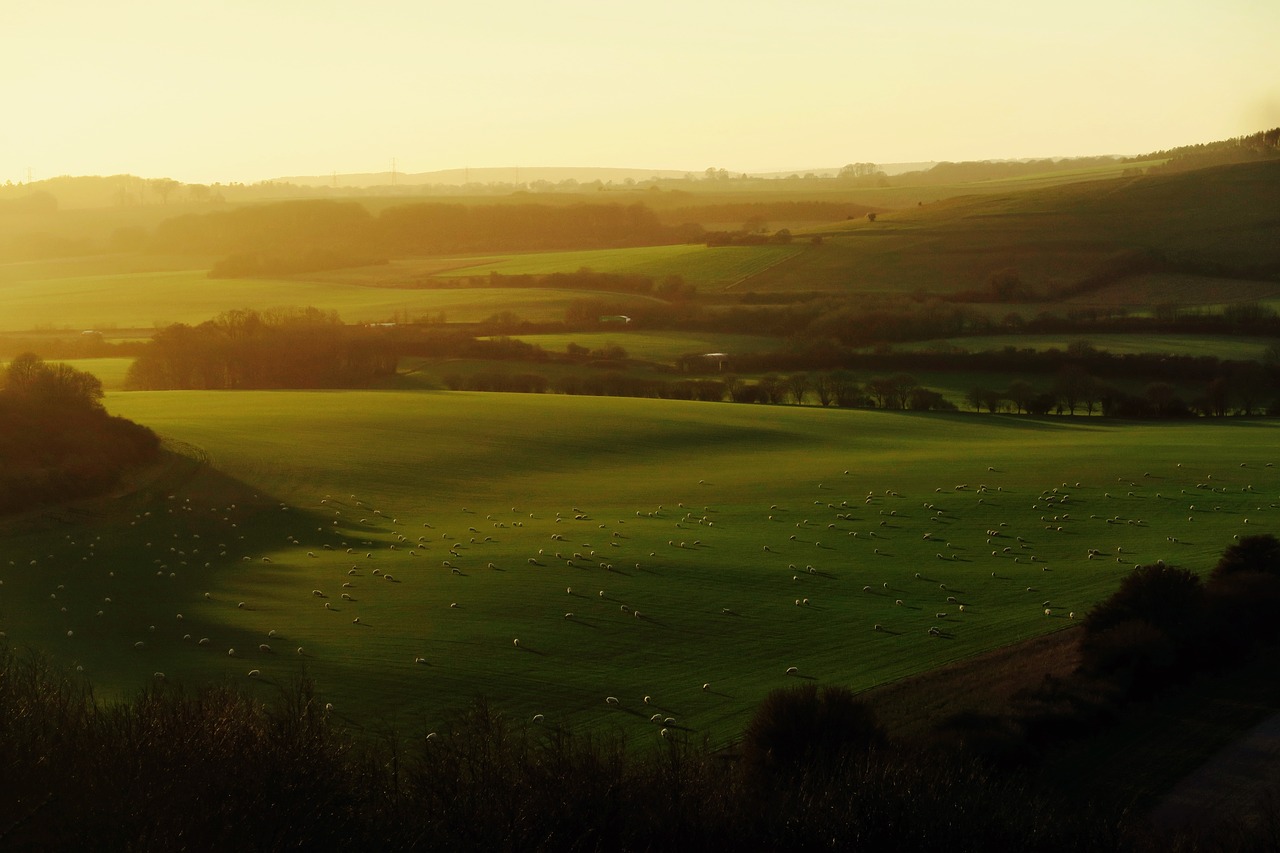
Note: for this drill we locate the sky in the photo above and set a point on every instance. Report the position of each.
(247, 90)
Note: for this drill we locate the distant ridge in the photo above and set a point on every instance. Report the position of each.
(550, 174)
(483, 175)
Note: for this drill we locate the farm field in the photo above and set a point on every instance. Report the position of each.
(677, 501)
(145, 300)
(663, 347)
(711, 268)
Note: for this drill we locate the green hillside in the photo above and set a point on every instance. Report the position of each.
(1213, 222)
(734, 531)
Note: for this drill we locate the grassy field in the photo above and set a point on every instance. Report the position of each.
(663, 347)
(661, 508)
(708, 268)
(144, 300)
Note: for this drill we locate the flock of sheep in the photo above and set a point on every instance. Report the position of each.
(905, 568)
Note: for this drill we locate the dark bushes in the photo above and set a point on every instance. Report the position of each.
(215, 770)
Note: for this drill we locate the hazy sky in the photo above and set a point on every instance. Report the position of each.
(250, 89)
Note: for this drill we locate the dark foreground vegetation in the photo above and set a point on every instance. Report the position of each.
(57, 443)
(213, 769)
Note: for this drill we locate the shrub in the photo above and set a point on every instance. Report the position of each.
(1259, 553)
(805, 729)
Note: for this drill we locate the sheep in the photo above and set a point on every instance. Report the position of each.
(203, 641)
(706, 686)
(516, 642)
(792, 670)
(646, 700)
(898, 603)
(611, 700)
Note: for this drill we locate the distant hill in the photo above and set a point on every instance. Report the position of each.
(486, 175)
(1058, 242)
(550, 174)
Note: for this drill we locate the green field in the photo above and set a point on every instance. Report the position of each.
(671, 507)
(710, 268)
(664, 347)
(144, 300)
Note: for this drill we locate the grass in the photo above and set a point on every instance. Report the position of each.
(144, 300)
(721, 612)
(708, 268)
(663, 347)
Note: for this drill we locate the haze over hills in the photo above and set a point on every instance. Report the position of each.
(551, 174)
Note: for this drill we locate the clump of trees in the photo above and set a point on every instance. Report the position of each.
(57, 443)
(244, 349)
(1162, 626)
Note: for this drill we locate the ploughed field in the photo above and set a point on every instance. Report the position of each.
(411, 551)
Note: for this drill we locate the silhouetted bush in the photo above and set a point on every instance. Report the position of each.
(806, 729)
(1259, 553)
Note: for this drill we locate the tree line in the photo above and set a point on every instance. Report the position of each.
(57, 443)
(243, 349)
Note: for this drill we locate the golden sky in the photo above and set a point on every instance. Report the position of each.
(243, 90)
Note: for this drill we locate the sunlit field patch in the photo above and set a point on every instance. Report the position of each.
(549, 552)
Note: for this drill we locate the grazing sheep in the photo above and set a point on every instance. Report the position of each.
(706, 686)
(792, 670)
(516, 642)
(203, 641)
(898, 602)
(611, 700)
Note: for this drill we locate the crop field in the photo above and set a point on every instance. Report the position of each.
(710, 268)
(664, 347)
(420, 549)
(149, 299)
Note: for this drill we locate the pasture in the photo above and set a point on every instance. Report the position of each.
(146, 300)
(703, 550)
(710, 268)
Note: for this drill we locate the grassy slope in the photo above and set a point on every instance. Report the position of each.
(1052, 236)
(458, 461)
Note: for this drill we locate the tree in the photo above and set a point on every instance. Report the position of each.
(824, 387)
(1070, 386)
(30, 378)
(797, 385)
(163, 187)
(976, 397)
(1020, 393)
